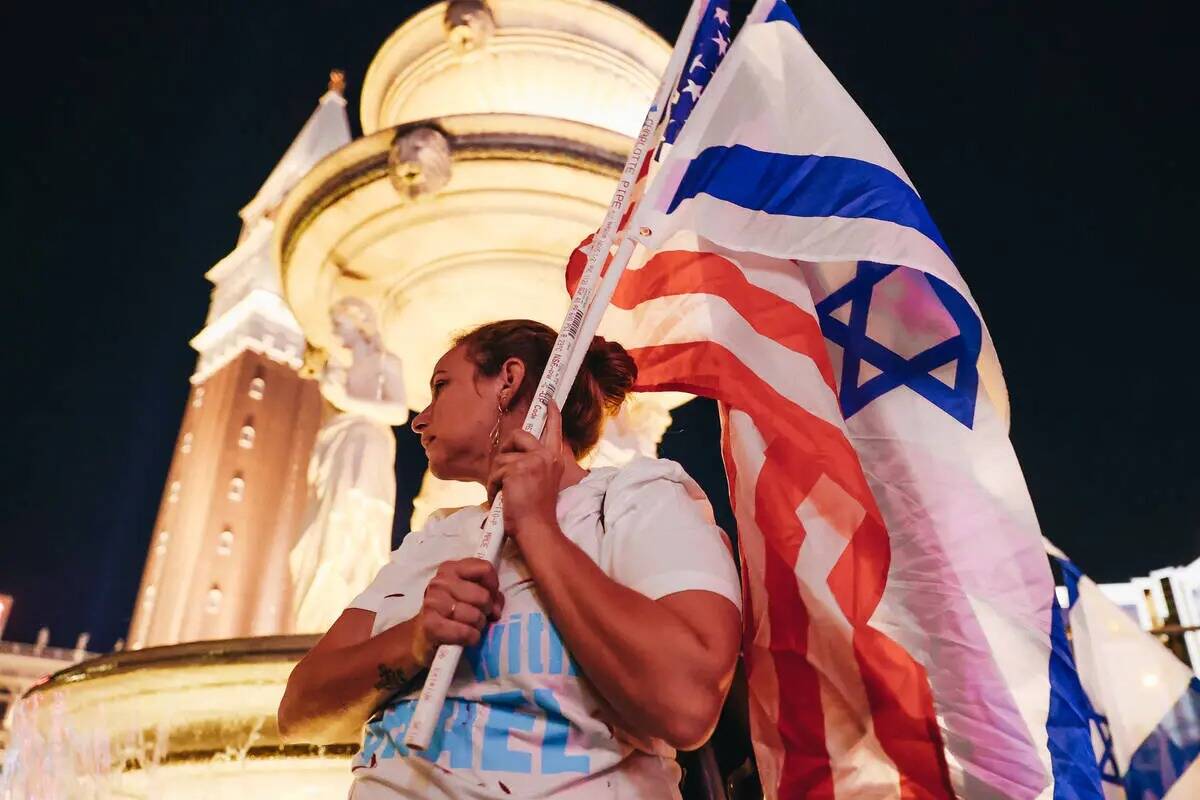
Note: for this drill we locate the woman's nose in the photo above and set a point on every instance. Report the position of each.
(421, 421)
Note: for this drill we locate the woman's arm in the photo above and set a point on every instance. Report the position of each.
(663, 665)
(344, 678)
(349, 673)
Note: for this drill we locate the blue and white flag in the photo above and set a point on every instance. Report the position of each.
(898, 605)
(1143, 703)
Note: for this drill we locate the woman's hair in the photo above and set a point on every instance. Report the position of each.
(605, 377)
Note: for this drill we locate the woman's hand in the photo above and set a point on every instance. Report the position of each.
(530, 473)
(459, 602)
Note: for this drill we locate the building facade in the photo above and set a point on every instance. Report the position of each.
(234, 499)
(1167, 603)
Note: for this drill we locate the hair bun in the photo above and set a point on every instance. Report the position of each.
(613, 369)
(606, 374)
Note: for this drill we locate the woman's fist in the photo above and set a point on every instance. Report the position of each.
(463, 597)
(529, 471)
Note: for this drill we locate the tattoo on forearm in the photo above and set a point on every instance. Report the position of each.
(391, 679)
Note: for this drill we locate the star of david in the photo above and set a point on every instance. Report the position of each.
(894, 369)
(1109, 773)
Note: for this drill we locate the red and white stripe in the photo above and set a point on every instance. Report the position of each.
(838, 709)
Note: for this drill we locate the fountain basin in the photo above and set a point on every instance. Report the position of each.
(194, 720)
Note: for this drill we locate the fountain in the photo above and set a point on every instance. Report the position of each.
(494, 132)
(193, 720)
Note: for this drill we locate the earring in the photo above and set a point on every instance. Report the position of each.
(496, 427)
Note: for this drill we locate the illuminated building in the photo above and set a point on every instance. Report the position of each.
(1165, 602)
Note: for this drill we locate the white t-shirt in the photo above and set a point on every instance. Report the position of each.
(520, 720)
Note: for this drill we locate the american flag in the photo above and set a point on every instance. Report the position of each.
(897, 601)
(705, 51)
(713, 34)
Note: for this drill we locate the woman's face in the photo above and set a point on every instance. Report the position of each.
(456, 427)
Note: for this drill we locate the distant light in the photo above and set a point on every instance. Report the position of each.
(1150, 680)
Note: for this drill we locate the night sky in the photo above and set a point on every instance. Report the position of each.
(1053, 143)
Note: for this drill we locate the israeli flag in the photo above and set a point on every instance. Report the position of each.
(1143, 702)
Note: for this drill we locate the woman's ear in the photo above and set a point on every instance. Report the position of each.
(512, 373)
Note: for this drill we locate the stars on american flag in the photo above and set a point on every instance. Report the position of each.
(722, 43)
(708, 47)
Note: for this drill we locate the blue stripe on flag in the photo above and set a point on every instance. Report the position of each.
(1071, 577)
(782, 12)
(1068, 725)
(805, 186)
(1169, 749)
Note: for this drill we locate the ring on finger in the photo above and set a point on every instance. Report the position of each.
(453, 605)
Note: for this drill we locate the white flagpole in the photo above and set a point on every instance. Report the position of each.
(574, 338)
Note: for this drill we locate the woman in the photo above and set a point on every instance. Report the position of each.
(606, 638)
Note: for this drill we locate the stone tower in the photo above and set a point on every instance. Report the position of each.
(234, 499)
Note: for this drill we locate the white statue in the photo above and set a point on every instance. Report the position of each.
(636, 430)
(347, 531)
(371, 384)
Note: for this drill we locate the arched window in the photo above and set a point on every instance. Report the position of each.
(225, 542)
(198, 397)
(185, 446)
(173, 491)
(246, 436)
(237, 488)
(257, 387)
(214, 600)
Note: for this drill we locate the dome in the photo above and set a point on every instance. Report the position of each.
(575, 60)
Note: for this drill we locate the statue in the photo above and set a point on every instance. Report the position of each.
(469, 24)
(636, 430)
(419, 163)
(347, 532)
